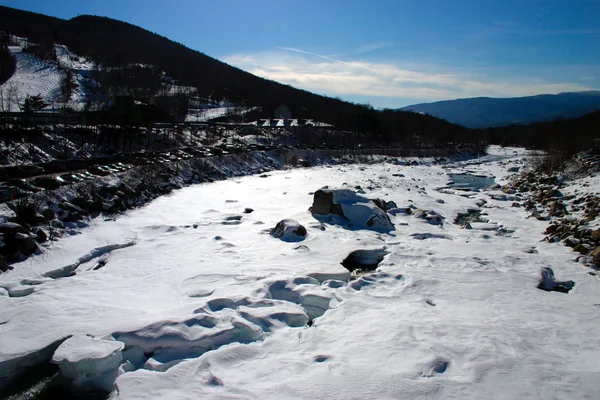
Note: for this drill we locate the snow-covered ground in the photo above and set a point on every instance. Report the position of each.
(209, 305)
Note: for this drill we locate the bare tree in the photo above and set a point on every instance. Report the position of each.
(9, 97)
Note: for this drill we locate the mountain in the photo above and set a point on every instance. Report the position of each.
(483, 112)
(131, 57)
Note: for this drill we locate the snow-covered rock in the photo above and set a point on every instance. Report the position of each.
(549, 284)
(359, 211)
(289, 230)
(89, 363)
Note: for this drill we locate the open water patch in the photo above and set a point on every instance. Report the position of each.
(470, 181)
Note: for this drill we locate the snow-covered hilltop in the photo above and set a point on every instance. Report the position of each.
(201, 301)
(35, 76)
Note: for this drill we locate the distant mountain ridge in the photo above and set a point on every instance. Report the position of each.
(483, 112)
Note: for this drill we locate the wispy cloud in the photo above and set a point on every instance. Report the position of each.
(308, 53)
(365, 49)
(327, 75)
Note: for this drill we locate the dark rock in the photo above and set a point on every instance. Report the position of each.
(40, 235)
(4, 265)
(248, 210)
(289, 230)
(11, 228)
(364, 260)
(48, 214)
(571, 242)
(28, 246)
(69, 207)
(596, 255)
(96, 205)
(11, 251)
(381, 204)
(549, 284)
(323, 204)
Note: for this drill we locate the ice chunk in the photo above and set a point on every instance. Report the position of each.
(89, 363)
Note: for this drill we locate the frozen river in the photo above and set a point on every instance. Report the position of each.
(209, 305)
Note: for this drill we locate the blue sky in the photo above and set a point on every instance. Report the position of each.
(387, 53)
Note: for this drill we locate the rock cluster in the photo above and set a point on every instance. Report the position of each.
(570, 217)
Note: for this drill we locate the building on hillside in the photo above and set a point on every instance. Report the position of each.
(289, 122)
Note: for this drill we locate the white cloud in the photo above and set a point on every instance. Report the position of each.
(327, 75)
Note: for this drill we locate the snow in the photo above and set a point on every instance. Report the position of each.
(206, 114)
(84, 348)
(89, 363)
(358, 212)
(34, 76)
(212, 310)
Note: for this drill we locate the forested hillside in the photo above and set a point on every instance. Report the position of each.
(112, 43)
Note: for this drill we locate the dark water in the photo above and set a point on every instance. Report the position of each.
(470, 182)
(42, 382)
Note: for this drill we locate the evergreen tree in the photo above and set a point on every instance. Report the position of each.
(33, 104)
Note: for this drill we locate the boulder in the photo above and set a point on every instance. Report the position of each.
(430, 216)
(596, 255)
(28, 246)
(11, 228)
(4, 265)
(364, 260)
(434, 218)
(549, 284)
(48, 213)
(289, 230)
(40, 235)
(358, 211)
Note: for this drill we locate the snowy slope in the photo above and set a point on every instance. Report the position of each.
(34, 76)
(211, 306)
(202, 115)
